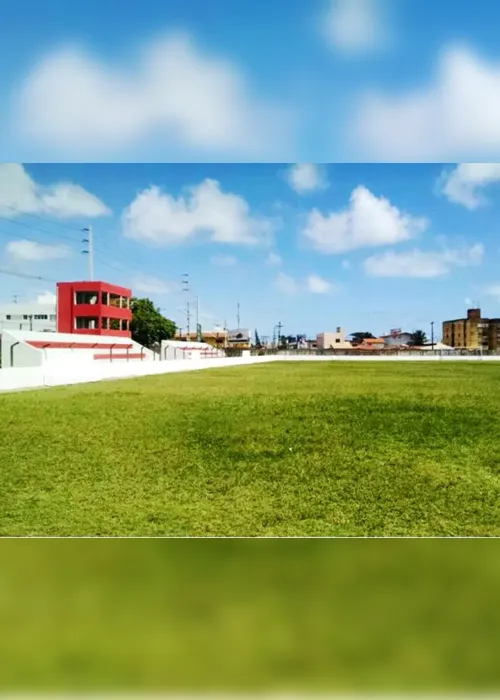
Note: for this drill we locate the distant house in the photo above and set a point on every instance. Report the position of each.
(333, 340)
(397, 338)
(371, 344)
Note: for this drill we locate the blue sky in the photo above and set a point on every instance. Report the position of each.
(366, 247)
(226, 80)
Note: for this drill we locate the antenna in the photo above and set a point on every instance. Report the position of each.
(89, 250)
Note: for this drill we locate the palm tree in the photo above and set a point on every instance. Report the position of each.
(418, 338)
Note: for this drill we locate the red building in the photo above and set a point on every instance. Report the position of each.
(93, 308)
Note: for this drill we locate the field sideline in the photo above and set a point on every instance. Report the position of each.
(273, 449)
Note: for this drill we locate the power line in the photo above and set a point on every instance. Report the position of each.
(100, 250)
(70, 227)
(36, 228)
(3, 271)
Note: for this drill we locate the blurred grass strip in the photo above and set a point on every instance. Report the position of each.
(250, 615)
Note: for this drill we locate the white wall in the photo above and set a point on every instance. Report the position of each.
(391, 358)
(23, 354)
(12, 379)
(25, 377)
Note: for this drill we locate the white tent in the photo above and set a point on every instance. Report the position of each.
(436, 346)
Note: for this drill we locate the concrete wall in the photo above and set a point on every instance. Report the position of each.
(15, 344)
(22, 354)
(391, 358)
(17, 378)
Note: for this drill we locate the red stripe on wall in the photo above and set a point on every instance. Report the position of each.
(41, 344)
(121, 356)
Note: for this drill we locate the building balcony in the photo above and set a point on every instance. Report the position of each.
(101, 310)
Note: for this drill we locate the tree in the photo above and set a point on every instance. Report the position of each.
(258, 344)
(417, 339)
(359, 336)
(149, 326)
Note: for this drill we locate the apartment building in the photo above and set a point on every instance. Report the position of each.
(28, 316)
(472, 333)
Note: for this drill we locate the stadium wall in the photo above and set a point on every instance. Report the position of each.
(50, 375)
(19, 378)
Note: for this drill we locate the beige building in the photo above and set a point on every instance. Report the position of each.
(471, 333)
(333, 340)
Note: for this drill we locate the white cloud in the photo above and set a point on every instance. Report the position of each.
(314, 284)
(455, 118)
(305, 178)
(273, 259)
(20, 194)
(153, 285)
(286, 283)
(31, 251)
(318, 285)
(355, 26)
(464, 184)
(159, 218)
(46, 298)
(176, 94)
(422, 264)
(224, 260)
(368, 221)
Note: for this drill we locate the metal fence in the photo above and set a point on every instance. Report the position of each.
(374, 353)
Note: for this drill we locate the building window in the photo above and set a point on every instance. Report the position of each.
(8, 317)
(86, 297)
(40, 317)
(86, 322)
(114, 324)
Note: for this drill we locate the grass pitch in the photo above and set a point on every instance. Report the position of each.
(275, 449)
(349, 618)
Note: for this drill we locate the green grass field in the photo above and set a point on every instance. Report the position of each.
(273, 449)
(333, 616)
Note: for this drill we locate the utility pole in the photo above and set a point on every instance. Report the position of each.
(432, 336)
(238, 315)
(280, 325)
(185, 288)
(89, 250)
(15, 297)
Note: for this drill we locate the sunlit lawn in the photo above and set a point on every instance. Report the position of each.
(274, 449)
